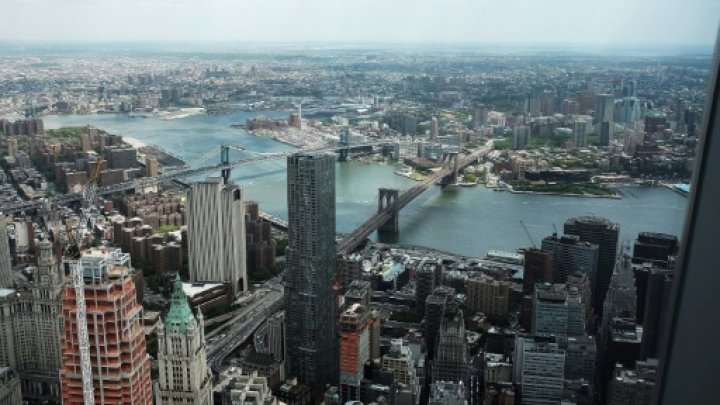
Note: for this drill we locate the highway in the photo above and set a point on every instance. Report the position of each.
(243, 326)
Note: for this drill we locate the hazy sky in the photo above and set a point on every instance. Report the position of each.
(483, 21)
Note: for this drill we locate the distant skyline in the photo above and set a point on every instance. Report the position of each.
(607, 22)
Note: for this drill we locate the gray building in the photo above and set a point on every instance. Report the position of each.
(216, 233)
(184, 375)
(557, 311)
(539, 369)
(604, 233)
(571, 255)
(580, 354)
(427, 276)
(311, 309)
(605, 108)
(521, 137)
(633, 387)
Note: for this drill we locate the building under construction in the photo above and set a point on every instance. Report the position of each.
(119, 363)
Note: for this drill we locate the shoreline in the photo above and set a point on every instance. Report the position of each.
(511, 190)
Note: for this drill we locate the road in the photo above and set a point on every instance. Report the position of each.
(243, 326)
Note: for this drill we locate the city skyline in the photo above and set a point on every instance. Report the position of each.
(616, 22)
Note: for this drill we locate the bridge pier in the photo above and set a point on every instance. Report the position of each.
(450, 159)
(388, 197)
(225, 159)
(343, 154)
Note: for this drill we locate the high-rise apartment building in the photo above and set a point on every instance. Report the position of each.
(6, 274)
(605, 108)
(119, 362)
(354, 350)
(489, 296)
(216, 233)
(604, 233)
(182, 361)
(311, 308)
(539, 369)
(31, 323)
(571, 255)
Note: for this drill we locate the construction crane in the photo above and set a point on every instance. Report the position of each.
(527, 234)
(73, 256)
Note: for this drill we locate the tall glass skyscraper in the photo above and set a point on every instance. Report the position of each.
(310, 304)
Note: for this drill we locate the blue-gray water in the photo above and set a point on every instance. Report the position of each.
(468, 221)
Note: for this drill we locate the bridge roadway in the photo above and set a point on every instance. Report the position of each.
(174, 175)
(356, 237)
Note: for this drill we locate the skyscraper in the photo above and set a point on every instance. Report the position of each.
(6, 279)
(605, 108)
(557, 311)
(311, 309)
(120, 366)
(216, 233)
(451, 359)
(184, 374)
(604, 233)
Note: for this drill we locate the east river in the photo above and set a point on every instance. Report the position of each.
(464, 220)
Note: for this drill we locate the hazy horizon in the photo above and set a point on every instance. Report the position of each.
(612, 23)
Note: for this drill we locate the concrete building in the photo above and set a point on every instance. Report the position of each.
(604, 234)
(216, 237)
(120, 157)
(32, 328)
(260, 246)
(236, 387)
(571, 255)
(310, 303)
(9, 387)
(399, 360)
(605, 108)
(557, 311)
(434, 313)
(6, 271)
(182, 362)
(152, 167)
(354, 350)
(539, 369)
(489, 296)
(121, 368)
(434, 130)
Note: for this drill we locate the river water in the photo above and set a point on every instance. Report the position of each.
(464, 220)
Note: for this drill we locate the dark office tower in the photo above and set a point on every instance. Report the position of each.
(434, 311)
(654, 247)
(6, 274)
(656, 308)
(571, 255)
(606, 133)
(537, 269)
(311, 311)
(604, 108)
(603, 233)
(427, 276)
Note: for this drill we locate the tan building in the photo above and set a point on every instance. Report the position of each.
(489, 296)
